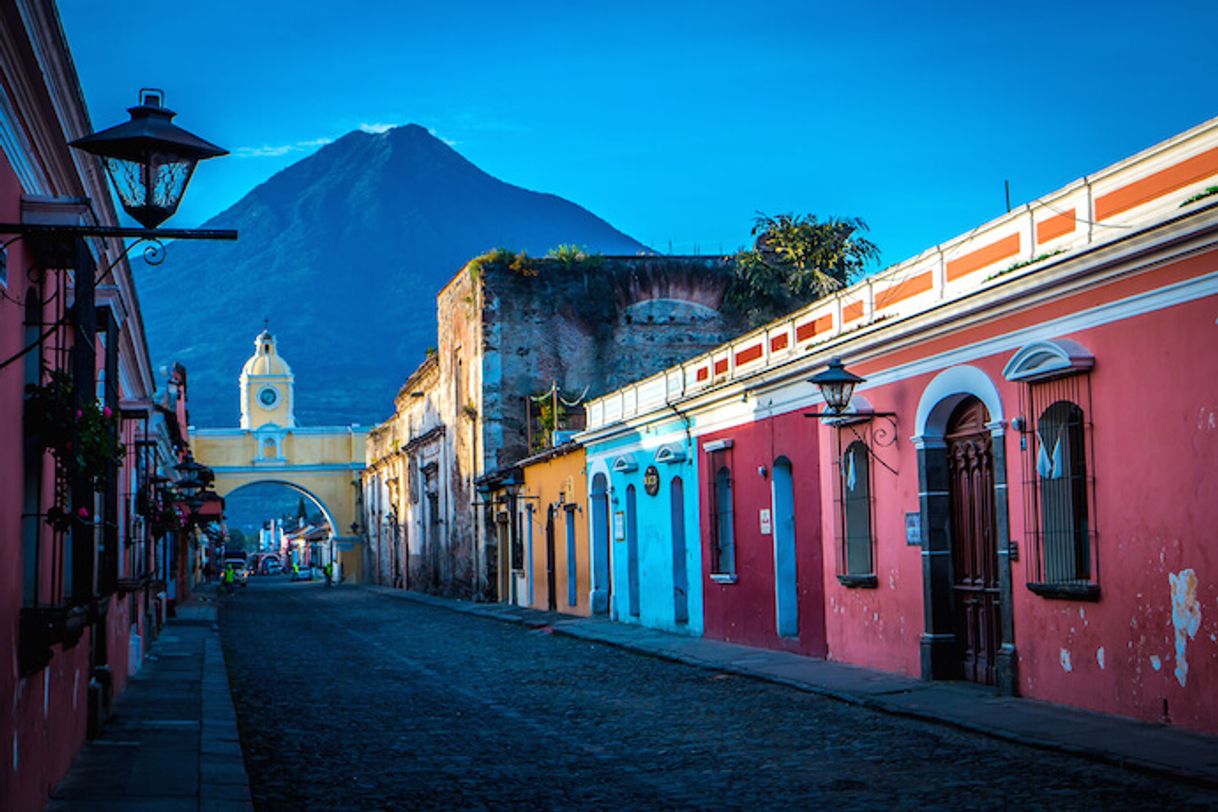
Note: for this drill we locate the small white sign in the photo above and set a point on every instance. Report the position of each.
(619, 526)
(765, 521)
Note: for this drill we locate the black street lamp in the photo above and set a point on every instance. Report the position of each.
(836, 385)
(192, 481)
(149, 159)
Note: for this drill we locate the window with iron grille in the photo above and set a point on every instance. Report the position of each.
(723, 531)
(854, 509)
(1059, 488)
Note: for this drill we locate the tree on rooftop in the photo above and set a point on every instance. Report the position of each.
(797, 259)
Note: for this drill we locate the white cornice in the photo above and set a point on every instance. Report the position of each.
(729, 404)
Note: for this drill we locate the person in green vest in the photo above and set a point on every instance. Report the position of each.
(229, 577)
(295, 571)
(328, 569)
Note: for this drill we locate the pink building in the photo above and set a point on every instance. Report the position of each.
(773, 595)
(1023, 489)
(89, 559)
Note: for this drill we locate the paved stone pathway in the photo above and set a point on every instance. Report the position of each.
(347, 699)
(171, 743)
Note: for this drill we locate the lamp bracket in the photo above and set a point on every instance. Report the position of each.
(52, 230)
(881, 436)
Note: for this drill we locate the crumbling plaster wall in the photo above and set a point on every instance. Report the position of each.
(458, 400)
(595, 325)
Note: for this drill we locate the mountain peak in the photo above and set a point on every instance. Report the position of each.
(346, 248)
(394, 131)
(410, 129)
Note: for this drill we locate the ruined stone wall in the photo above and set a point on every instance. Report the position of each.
(458, 400)
(596, 325)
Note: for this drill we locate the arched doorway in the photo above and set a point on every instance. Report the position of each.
(970, 486)
(602, 586)
(966, 571)
(632, 552)
(786, 604)
(680, 567)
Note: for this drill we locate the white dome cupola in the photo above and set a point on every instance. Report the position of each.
(267, 396)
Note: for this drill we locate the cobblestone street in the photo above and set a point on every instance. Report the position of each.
(351, 700)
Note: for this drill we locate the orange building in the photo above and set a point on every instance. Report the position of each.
(554, 530)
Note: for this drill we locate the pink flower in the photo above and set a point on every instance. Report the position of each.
(83, 513)
(106, 411)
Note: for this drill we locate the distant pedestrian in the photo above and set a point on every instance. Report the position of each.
(229, 577)
(295, 571)
(328, 569)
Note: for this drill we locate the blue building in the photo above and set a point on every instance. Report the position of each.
(643, 520)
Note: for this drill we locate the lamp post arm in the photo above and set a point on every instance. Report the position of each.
(50, 230)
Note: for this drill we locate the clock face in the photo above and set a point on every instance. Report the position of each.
(268, 396)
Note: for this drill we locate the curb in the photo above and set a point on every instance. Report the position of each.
(223, 781)
(568, 626)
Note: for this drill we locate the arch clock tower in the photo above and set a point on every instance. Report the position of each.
(267, 383)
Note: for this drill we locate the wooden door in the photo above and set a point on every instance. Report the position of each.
(551, 578)
(970, 466)
(433, 537)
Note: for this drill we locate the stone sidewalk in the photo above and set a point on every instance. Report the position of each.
(171, 743)
(1155, 749)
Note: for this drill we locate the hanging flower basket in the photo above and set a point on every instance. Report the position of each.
(162, 516)
(83, 439)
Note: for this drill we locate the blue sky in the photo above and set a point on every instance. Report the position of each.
(677, 121)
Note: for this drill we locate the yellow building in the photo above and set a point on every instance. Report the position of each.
(555, 572)
(322, 463)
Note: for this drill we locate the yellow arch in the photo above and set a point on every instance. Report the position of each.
(335, 528)
(322, 463)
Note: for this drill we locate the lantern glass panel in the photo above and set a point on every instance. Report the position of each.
(837, 395)
(153, 197)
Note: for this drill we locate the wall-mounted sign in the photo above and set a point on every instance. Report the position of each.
(765, 521)
(913, 529)
(651, 481)
(619, 526)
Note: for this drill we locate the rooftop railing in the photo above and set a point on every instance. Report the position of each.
(1153, 185)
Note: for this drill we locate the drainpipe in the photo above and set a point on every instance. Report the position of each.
(689, 440)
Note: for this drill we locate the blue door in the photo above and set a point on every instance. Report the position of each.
(602, 585)
(680, 573)
(572, 597)
(785, 594)
(632, 551)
